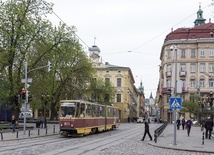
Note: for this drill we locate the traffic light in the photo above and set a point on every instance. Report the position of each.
(169, 92)
(49, 66)
(29, 96)
(23, 94)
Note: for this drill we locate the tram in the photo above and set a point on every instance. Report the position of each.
(79, 117)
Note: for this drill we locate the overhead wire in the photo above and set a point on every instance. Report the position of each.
(64, 23)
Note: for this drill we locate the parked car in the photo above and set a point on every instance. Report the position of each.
(28, 115)
(140, 120)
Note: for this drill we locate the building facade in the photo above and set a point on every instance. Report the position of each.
(128, 98)
(187, 55)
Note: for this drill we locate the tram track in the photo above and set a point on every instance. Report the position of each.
(54, 145)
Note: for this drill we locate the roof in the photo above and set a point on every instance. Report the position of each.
(202, 31)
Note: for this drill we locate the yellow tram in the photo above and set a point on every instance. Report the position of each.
(79, 117)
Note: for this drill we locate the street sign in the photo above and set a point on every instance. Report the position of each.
(29, 80)
(175, 103)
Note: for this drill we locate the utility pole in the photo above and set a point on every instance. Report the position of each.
(26, 86)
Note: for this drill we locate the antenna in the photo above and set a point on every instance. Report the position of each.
(94, 40)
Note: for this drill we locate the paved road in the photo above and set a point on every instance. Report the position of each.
(183, 142)
(130, 144)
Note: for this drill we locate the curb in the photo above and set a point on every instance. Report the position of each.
(180, 149)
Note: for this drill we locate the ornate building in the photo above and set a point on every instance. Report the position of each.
(187, 55)
(127, 97)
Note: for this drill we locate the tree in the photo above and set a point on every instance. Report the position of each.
(27, 36)
(21, 25)
(191, 105)
(101, 91)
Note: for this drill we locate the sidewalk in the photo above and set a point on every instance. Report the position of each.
(183, 142)
(35, 132)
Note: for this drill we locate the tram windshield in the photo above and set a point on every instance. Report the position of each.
(68, 109)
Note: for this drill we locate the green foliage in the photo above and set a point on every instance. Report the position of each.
(191, 105)
(101, 91)
(26, 35)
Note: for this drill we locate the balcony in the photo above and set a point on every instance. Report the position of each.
(185, 89)
(183, 73)
(165, 89)
(168, 74)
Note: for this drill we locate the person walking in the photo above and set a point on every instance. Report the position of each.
(202, 124)
(188, 126)
(146, 131)
(41, 119)
(208, 127)
(183, 122)
(178, 123)
(13, 123)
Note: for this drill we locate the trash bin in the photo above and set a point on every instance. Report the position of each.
(37, 124)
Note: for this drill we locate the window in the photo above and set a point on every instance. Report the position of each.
(119, 81)
(202, 52)
(183, 53)
(118, 97)
(168, 68)
(183, 66)
(107, 79)
(212, 52)
(192, 53)
(192, 83)
(168, 82)
(202, 67)
(169, 54)
(201, 83)
(211, 83)
(211, 67)
(192, 67)
(183, 83)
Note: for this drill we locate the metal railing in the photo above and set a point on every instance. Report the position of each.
(159, 130)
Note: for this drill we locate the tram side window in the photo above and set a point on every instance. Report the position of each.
(82, 110)
(88, 110)
(77, 110)
(97, 110)
(110, 111)
(93, 111)
(102, 111)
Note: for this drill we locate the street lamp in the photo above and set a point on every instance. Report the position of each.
(174, 47)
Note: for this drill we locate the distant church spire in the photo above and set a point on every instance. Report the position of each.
(141, 88)
(151, 96)
(200, 20)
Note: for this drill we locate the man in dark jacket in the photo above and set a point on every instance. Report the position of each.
(209, 127)
(146, 130)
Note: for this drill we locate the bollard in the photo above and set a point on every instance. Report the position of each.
(38, 132)
(203, 138)
(17, 133)
(54, 129)
(29, 133)
(1, 135)
(46, 130)
(155, 138)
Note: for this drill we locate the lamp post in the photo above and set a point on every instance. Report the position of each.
(174, 48)
(211, 103)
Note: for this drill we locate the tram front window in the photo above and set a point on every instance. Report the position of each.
(68, 110)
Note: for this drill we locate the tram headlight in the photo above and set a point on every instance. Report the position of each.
(61, 125)
(72, 125)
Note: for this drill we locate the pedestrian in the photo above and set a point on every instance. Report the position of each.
(188, 126)
(178, 123)
(128, 119)
(146, 131)
(13, 123)
(202, 124)
(41, 119)
(208, 127)
(183, 122)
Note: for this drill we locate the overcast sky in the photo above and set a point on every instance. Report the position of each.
(130, 33)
